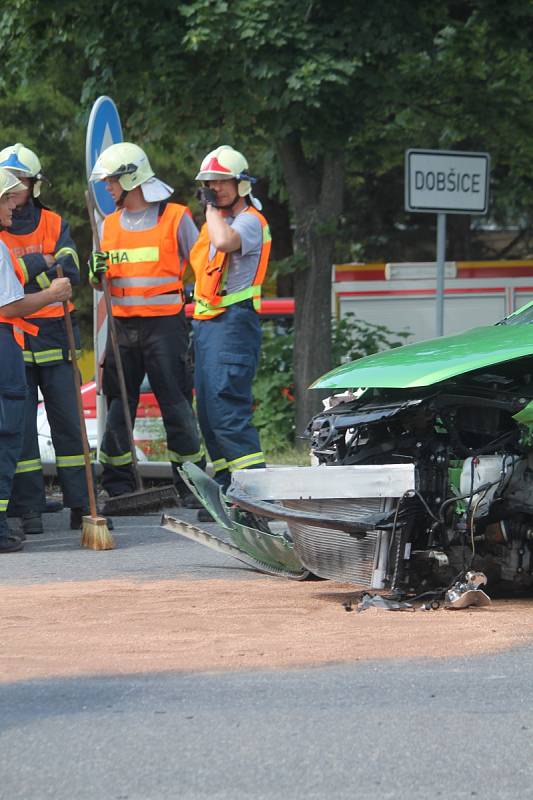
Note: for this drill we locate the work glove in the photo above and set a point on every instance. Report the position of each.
(98, 265)
(207, 197)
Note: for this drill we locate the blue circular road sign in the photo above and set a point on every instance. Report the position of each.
(103, 129)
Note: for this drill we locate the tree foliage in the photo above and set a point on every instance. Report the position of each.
(323, 98)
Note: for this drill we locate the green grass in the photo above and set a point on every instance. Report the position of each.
(288, 456)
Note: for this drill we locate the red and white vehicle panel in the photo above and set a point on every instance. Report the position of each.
(402, 296)
(148, 432)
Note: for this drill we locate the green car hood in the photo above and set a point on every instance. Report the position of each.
(434, 360)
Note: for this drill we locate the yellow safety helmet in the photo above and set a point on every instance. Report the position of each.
(125, 161)
(9, 182)
(23, 162)
(225, 163)
(129, 164)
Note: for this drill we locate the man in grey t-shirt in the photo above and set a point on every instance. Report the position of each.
(230, 261)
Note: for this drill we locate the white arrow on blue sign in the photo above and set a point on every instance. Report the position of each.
(103, 129)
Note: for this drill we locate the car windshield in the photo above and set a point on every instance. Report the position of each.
(524, 316)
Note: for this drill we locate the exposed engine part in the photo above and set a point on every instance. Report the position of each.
(494, 472)
(473, 502)
(467, 592)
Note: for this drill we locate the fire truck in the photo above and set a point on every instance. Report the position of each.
(401, 296)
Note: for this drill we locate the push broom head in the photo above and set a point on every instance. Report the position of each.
(141, 502)
(95, 534)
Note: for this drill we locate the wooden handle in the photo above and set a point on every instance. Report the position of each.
(91, 209)
(112, 328)
(81, 417)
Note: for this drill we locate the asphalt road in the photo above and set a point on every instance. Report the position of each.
(144, 550)
(452, 728)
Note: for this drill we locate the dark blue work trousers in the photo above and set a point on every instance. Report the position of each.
(12, 400)
(56, 382)
(226, 352)
(157, 347)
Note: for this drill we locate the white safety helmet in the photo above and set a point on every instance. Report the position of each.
(23, 162)
(130, 165)
(225, 163)
(9, 182)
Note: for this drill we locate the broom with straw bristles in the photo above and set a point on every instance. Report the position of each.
(95, 533)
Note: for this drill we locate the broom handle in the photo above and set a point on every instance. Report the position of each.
(116, 351)
(77, 385)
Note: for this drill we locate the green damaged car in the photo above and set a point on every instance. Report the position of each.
(422, 480)
(459, 409)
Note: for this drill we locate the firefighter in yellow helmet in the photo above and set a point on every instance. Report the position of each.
(41, 240)
(145, 248)
(230, 261)
(14, 306)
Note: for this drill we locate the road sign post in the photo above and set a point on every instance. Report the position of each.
(445, 182)
(103, 130)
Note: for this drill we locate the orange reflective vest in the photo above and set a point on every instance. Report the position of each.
(42, 240)
(19, 325)
(211, 274)
(145, 269)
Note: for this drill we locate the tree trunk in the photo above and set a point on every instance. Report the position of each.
(459, 238)
(315, 194)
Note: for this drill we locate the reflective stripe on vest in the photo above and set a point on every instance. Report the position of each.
(146, 291)
(19, 325)
(145, 270)
(211, 274)
(42, 240)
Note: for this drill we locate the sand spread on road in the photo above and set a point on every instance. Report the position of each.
(122, 627)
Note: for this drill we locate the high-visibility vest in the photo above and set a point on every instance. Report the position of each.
(20, 326)
(42, 240)
(145, 269)
(211, 274)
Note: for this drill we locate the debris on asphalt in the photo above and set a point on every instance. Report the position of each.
(467, 592)
(377, 601)
(430, 605)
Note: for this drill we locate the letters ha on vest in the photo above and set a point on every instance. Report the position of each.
(145, 270)
(210, 274)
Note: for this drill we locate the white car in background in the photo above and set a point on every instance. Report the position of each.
(149, 432)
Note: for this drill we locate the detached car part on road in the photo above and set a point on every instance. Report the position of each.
(424, 466)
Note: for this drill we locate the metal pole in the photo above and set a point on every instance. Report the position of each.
(441, 258)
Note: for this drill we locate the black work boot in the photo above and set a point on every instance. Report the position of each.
(52, 506)
(32, 523)
(76, 519)
(10, 543)
(204, 516)
(188, 499)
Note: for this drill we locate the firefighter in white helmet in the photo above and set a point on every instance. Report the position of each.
(41, 240)
(230, 261)
(15, 306)
(145, 248)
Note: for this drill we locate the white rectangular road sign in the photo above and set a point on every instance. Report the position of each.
(446, 181)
